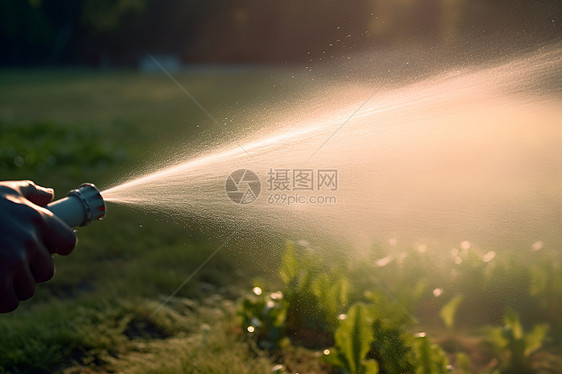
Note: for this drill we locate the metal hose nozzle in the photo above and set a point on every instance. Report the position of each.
(80, 207)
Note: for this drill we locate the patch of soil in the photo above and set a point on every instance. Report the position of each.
(310, 338)
(69, 291)
(303, 361)
(144, 328)
(79, 361)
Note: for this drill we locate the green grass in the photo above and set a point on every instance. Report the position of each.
(62, 128)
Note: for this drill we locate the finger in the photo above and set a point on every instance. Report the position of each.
(8, 299)
(36, 194)
(24, 284)
(41, 265)
(57, 235)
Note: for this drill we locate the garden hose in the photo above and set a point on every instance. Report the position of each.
(80, 207)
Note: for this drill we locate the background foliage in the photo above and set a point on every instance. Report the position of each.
(105, 32)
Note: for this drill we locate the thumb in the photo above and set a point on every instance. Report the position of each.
(36, 194)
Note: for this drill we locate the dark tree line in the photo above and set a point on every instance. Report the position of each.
(117, 32)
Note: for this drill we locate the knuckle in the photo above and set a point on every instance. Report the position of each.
(10, 189)
(46, 273)
(18, 259)
(28, 293)
(67, 247)
(29, 241)
(35, 214)
(7, 307)
(26, 211)
(31, 292)
(6, 189)
(42, 266)
(50, 273)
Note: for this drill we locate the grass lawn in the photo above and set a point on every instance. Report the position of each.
(70, 127)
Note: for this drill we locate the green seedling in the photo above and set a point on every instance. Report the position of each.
(515, 347)
(449, 310)
(353, 341)
(430, 358)
(263, 317)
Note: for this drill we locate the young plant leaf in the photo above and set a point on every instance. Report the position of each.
(430, 358)
(534, 339)
(450, 309)
(289, 269)
(353, 341)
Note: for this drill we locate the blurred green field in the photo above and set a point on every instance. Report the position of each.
(63, 128)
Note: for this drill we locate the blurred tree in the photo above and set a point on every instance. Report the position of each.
(117, 32)
(107, 16)
(109, 29)
(25, 31)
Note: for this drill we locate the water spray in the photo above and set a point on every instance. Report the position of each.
(80, 207)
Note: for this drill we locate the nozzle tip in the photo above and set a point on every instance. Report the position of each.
(92, 200)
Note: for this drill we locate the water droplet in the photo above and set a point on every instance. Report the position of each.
(255, 322)
(465, 244)
(257, 291)
(537, 246)
(277, 295)
(489, 256)
(384, 261)
(326, 352)
(342, 316)
(437, 292)
(422, 248)
(19, 161)
(250, 329)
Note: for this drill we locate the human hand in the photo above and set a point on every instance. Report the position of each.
(29, 234)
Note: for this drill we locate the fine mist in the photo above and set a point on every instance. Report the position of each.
(467, 154)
